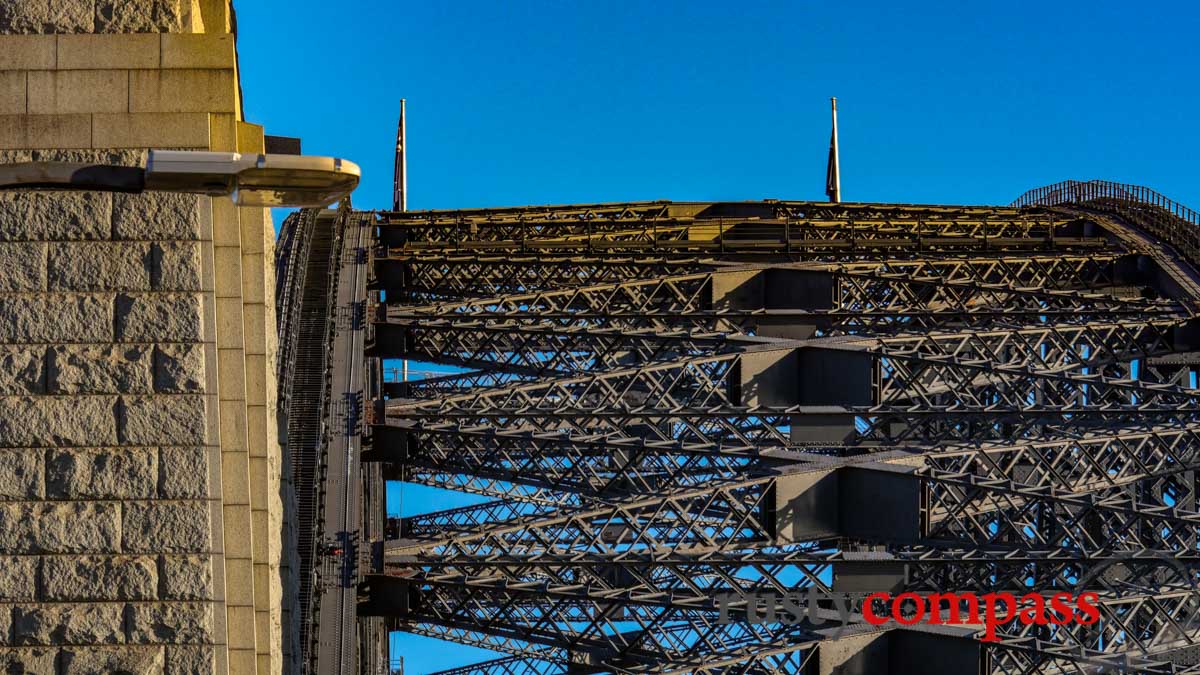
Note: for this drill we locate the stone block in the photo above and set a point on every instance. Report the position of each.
(53, 527)
(18, 578)
(217, 16)
(239, 580)
(27, 52)
(202, 50)
(189, 660)
(231, 376)
(241, 622)
(79, 421)
(256, 431)
(22, 423)
(256, 223)
(114, 156)
(177, 419)
(179, 368)
(47, 16)
(253, 288)
(45, 131)
(41, 216)
(123, 660)
(251, 138)
(227, 261)
(13, 87)
(243, 659)
(97, 578)
(256, 374)
(176, 266)
(57, 421)
(22, 267)
(100, 369)
(22, 370)
(230, 337)
(183, 473)
(108, 473)
(258, 491)
(21, 475)
(78, 91)
(187, 577)
(258, 518)
(186, 90)
(116, 52)
(256, 328)
(99, 266)
(78, 318)
(171, 527)
(150, 130)
(138, 16)
(235, 483)
(224, 136)
(71, 623)
(170, 623)
(55, 318)
(35, 661)
(237, 519)
(227, 224)
(159, 317)
(17, 533)
(156, 216)
(234, 426)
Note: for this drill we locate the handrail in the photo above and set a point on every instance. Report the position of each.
(1167, 219)
(1075, 192)
(291, 260)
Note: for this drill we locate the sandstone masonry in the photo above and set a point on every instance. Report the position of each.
(108, 517)
(140, 495)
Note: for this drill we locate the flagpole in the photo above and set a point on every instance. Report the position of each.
(836, 195)
(401, 190)
(400, 184)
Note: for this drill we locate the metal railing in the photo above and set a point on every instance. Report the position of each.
(1165, 218)
(1075, 192)
(291, 261)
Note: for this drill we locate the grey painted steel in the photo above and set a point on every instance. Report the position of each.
(669, 401)
(338, 573)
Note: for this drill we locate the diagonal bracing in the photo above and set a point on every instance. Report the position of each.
(670, 403)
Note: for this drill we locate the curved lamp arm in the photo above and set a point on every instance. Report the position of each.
(252, 180)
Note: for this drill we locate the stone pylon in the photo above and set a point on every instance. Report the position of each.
(141, 506)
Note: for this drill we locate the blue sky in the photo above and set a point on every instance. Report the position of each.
(537, 102)
(520, 102)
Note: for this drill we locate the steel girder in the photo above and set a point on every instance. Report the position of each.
(659, 397)
(428, 277)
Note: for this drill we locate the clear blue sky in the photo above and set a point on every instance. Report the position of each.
(540, 102)
(519, 102)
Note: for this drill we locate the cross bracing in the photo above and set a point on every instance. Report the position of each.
(668, 403)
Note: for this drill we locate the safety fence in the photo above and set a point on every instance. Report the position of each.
(1168, 220)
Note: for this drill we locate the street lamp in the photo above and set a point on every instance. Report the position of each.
(252, 180)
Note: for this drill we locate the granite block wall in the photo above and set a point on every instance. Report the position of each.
(140, 495)
(106, 493)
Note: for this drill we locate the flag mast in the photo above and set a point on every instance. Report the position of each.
(400, 190)
(400, 180)
(833, 174)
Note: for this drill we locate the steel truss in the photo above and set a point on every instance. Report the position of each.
(668, 403)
